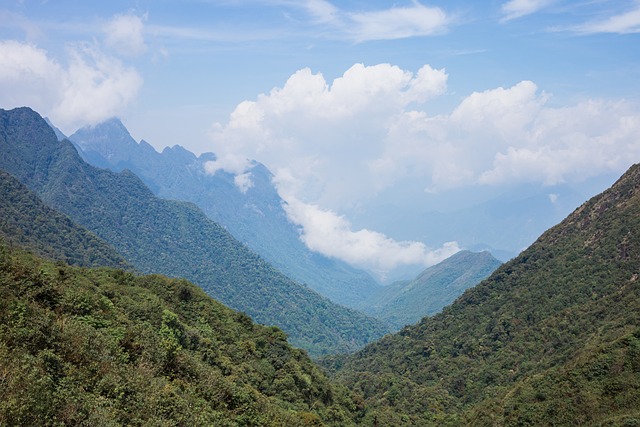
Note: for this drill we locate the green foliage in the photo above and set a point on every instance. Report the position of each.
(174, 238)
(551, 338)
(103, 347)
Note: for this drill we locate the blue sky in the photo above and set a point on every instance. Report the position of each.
(345, 101)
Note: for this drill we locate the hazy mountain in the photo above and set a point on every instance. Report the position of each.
(173, 238)
(26, 221)
(504, 220)
(551, 338)
(253, 214)
(102, 347)
(406, 302)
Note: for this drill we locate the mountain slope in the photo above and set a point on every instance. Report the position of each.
(173, 238)
(552, 337)
(254, 214)
(405, 303)
(103, 347)
(26, 221)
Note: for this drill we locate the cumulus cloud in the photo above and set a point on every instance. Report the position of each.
(517, 8)
(91, 88)
(124, 34)
(304, 124)
(328, 233)
(337, 144)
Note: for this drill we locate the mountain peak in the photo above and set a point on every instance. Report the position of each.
(106, 143)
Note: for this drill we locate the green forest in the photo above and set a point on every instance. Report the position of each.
(103, 347)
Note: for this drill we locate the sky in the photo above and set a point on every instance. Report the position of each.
(346, 102)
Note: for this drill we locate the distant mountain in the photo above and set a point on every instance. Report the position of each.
(254, 214)
(406, 302)
(27, 222)
(173, 238)
(551, 338)
(102, 347)
(502, 219)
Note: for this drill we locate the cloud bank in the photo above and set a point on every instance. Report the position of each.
(335, 144)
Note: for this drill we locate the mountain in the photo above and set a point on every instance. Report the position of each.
(252, 213)
(502, 219)
(26, 221)
(102, 347)
(550, 338)
(57, 131)
(173, 238)
(406, 302)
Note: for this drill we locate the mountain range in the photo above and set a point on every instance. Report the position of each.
(551, 337)
(173, 238)
(254, 214)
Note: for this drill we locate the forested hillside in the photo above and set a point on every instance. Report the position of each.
(102, 347)
(253, 214)
(551, 338)
(173, 238)
(405, 303)
(29, 223)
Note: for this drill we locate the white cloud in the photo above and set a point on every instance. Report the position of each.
(398, 22)
(517, 8)
(322, 10)
(336, 145)
(92, 88)
(124, 34)
(330, 234)
(28, 77)
(624, 23)
(323, 20)
(243, 181)
(302, 125)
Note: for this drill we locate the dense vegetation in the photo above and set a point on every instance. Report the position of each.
(254, 216)
(405, 303)
(26, 221)
(551, 338)
(173, 238)
(102, 347)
